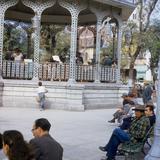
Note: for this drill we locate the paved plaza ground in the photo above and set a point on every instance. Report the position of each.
(80, 133)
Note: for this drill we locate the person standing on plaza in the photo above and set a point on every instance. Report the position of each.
(41, 95)
(147, 93)
(46, 148)
(15, 147)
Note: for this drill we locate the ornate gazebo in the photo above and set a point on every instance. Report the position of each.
(72, 12)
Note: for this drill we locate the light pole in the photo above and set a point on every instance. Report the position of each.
(154, 153)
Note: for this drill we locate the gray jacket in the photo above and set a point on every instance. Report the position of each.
(46, 148)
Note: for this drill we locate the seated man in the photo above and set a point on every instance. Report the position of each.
(45, 146)
(149, 112)
(122, 111)
(135, 133)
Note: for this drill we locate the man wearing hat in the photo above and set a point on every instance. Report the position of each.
(133, 135)
(149, 112)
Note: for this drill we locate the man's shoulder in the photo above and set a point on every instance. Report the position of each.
(145, 119)
(142, 119)
(43, 139)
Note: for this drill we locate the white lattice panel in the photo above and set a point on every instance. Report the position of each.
(26, 75)
(49, 76)
(58, 77)
(21, 70)
(45, 71)
(30, 68)
(40, 71)
(66, 72)
(13, 69)
(4, 71)
(53, 72)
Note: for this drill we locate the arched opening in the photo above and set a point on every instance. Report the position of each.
(55, 35)
(87, 36)
(87, 43)
(17, 31)
(108, 32)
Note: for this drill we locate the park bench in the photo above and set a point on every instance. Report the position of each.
(130, 150)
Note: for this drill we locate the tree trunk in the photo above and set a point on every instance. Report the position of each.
(131, 70)
(131, 67)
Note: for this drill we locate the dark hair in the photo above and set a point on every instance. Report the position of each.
(17, 50)
(40, 83)
(18, 148)
(43, 123)
(1, 144)
(151, 107)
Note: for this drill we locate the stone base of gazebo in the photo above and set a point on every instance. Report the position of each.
(78, 97)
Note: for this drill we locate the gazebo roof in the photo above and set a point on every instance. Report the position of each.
(127, 6)
(59, 15)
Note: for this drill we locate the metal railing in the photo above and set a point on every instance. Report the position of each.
(56, 72)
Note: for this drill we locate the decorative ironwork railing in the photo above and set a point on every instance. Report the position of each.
(56, 72)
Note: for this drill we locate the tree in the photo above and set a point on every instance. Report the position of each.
(14, 37)
(153, 44)
(139, 32)
(54, 41)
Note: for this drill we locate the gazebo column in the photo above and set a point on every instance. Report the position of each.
(73, 50)
(74, 7)
(98, 48)
(3, 7)
(1, 41)
(38, 7)
(36, 25)
(119, 47)
(101, 12)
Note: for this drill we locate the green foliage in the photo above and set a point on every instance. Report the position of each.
(62, 43)
(54, 41)
(153, 43)
(14, 38)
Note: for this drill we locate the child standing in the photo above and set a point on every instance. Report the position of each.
(41, 94)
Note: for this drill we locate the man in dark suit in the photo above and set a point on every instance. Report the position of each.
(46, 148)
(147, 93)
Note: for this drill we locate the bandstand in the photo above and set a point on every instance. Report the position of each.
(71, 86)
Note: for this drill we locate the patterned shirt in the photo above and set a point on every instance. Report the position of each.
(138, 129)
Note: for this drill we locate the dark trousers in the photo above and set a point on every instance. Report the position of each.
(118, 115)
(126, 123)
(118, 136)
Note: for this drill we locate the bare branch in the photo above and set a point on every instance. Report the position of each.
(147, 11)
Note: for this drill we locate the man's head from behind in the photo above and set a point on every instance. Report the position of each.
(124, 95)
(41, 127)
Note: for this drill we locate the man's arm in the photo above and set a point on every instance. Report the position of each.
(37, 151)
